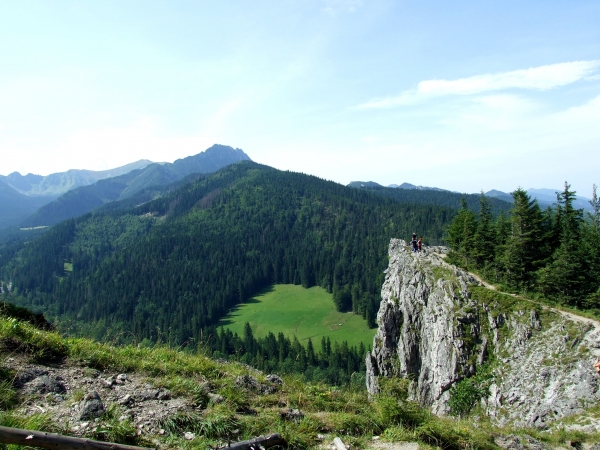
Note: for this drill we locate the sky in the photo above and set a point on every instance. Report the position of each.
(461, 95)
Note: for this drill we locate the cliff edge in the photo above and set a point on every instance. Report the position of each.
(439, 326)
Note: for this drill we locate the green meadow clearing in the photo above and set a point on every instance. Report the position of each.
(296, 311)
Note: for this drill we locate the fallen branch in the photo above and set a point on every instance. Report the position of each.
(57, 441)
(257, 443)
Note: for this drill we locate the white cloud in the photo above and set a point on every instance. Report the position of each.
(333, 7)
(535, 78)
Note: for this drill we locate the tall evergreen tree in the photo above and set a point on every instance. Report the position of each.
(484, 240)
(591, 240)
(566, 276)
(521, 250)
(461, 234)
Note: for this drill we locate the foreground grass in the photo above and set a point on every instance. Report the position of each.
(330, 411)
(297, 311)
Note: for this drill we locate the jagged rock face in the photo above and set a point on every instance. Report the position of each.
(544, 374)
(434, 332)
(422, 321)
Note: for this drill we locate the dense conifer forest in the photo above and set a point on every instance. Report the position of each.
(171, 267)
(333, 363)
(553, 253)
(438, 197)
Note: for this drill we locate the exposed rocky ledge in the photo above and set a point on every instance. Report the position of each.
(433, 331)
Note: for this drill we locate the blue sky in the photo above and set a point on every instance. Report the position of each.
(460, 95)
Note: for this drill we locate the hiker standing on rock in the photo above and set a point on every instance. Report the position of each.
(415, 243)
(420, 244)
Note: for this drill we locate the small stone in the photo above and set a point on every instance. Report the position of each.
(275, 379)
(125, 400)
(122, 377)
(295, 415)
(215, 398)
(189, 436)
(161, 431)
(163, 395)
(147, 394)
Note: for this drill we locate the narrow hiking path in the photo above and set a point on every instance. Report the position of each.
(569, 315)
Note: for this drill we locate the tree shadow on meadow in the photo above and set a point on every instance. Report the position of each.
(229, 319)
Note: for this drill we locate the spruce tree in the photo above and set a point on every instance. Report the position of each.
(521, 249)
(591, 240)
(567, 276)
(461, 234)
(484, 240)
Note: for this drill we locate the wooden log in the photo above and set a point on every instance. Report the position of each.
(258, 442)
(57, 441)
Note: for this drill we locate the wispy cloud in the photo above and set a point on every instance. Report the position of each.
(535, 78)
(333, 7)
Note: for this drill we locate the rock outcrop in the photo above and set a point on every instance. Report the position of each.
(438, 326)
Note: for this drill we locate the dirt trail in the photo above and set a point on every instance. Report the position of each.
(569, 315)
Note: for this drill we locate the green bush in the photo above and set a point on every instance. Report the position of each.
(463, 397)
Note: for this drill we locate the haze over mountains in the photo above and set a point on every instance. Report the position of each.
(89, 190)
(57, 184)
(22, 195)
(545, 197)
(37, 201)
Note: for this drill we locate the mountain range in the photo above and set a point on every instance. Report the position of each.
(432, 196)
(22, 195)
(96, 188)
(399, 186)
(36, 201)
(56, 184)
(545, 197)
(179, 262)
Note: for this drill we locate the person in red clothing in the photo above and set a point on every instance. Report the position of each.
(420, 244)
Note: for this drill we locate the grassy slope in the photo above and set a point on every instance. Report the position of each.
(348, 413)
(296, 311)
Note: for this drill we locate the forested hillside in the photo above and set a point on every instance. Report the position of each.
(87, 198)
(16, 206)
(436, 197)
(554, 252)
(177, 264)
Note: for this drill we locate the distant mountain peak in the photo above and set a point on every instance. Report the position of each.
(86, 198)
(545, 197)
(414, 186)
(363, 184)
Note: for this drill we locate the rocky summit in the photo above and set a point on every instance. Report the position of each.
(438, 326)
